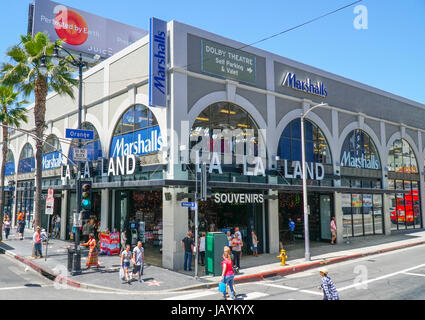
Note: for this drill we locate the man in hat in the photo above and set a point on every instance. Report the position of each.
(328, 286)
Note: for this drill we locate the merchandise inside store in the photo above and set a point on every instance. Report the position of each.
(223, 217)
(139, 213)
(321, 211)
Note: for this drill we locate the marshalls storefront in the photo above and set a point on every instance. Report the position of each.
(238, 111)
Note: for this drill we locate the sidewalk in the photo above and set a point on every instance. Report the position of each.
(159, 279)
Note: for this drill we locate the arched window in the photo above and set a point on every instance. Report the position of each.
(93, 147)
(316, 147)
(401, 158)
(52, 156)
(137, 132)
(226, 117)
(10, 164)
(359, 151)
(27, 160)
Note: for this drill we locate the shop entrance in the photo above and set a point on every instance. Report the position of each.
(139, 213)
(223, 217)
(321, 211)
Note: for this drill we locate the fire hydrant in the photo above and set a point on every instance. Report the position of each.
(283, 257)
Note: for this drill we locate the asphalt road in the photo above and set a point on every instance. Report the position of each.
(397, 275)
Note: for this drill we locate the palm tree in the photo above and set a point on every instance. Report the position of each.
(32, 71)
(11, 115)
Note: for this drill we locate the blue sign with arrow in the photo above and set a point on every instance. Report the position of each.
(188, 204)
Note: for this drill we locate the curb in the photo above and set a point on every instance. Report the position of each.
(46, 272)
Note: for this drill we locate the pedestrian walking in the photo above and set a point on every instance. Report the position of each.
(291, 225)
(126, 256)
(93, 258)
(227, 274)
(328, 286)
(6, 227)
(333, 230)
(21, 225)
(237, 245)
(254, 246)
(138, 259)
(229, 238)
(238, 232)
(123, 240)
(187, 245)
(202, 249)
(36, 238)
(57, 226)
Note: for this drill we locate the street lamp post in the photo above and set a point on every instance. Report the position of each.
(305, 198)
(80, 64)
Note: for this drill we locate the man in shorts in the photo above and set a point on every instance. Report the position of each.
(138, 258)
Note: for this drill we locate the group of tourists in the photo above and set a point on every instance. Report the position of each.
(137, 257)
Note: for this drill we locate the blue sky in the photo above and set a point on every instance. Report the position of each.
(389, 55)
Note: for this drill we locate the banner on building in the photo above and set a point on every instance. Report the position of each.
(81, 31)
(158, 63)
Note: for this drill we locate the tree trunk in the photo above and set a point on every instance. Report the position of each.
(40, 125)
(2, 174)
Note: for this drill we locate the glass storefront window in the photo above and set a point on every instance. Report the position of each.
(401, 158)
(359, 151)
(317, 148)
(405, 210)
(27, 160)
(225, 117)
(362, 214)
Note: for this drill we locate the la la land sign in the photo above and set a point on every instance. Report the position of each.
(119, 166)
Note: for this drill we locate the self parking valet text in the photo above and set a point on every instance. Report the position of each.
(219, 310)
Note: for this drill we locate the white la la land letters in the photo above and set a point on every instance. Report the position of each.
(121, 166)
(259, 169)
(316, 171)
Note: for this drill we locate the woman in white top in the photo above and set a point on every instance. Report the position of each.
(6, 227)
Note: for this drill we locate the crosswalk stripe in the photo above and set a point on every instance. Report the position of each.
(24, 287)
(414, 274)
(193, 295)
(255, 295)
(290, 288)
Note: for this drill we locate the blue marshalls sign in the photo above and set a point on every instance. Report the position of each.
(158, 63)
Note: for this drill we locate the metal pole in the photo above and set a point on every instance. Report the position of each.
(77, 254)
(47, 241)
(305, 198)
(196, 223)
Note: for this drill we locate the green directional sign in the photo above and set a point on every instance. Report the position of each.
(228, 62)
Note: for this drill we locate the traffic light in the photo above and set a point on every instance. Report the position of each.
(86, 196)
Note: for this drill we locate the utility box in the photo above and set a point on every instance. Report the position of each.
(215, 243)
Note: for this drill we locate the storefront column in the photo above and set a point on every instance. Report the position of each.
(64, 214)
(273, 217)
(386, 204)
(104, 210)
(175, 225)
(338, 217)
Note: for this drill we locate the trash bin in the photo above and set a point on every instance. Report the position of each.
(214, 245)
(70, 258)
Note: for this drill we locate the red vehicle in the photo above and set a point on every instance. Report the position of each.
(406, 209)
